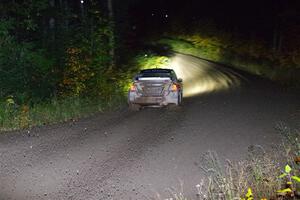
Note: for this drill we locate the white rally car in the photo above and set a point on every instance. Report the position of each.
(155, 87)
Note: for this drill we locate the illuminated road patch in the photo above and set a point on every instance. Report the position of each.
(200, 76)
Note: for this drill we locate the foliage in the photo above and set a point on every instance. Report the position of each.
(77, 72)
(53, 53)
(249, 195)
(23, 68)
(255, 172)
(289, 189)
(51, 48)
(13, 116)
(243, 56)
(257, 177)
(17, 116)
(152, 61)
(79, 82)
(290, 140)
(247, 51)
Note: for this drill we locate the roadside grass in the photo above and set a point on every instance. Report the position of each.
(14, 117)
(214, 50)
(262, 175)
(258, 172)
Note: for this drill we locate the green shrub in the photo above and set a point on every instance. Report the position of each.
(13, 116)
(24, 69)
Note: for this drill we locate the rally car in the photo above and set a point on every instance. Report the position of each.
(155, 87)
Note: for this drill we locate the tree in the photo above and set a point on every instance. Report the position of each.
(112, 34)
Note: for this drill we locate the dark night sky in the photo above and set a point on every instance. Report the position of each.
(259, 16)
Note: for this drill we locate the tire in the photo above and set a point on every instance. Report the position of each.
(180, 99)
(175, 106)
(134, 107)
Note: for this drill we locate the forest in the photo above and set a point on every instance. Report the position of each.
(51, 48)
(54, 54)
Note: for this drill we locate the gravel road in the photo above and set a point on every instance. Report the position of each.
(144, 155)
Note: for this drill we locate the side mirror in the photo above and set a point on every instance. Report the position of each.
(179, 80)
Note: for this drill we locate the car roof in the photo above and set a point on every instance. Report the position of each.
(157, 70)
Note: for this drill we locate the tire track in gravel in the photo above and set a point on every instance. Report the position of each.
(97, 180)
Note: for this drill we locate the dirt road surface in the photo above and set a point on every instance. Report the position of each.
(144, 155)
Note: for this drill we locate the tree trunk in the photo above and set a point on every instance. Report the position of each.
(82, 9)
(66, 17)
(52, 21)
(112, 34)
(277, 38)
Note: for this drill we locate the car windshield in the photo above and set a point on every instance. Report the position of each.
(155, 74)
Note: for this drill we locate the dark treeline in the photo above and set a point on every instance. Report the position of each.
(274, 21)
(52, 48)
(261, 37)
(268, 30)
(63, 59)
